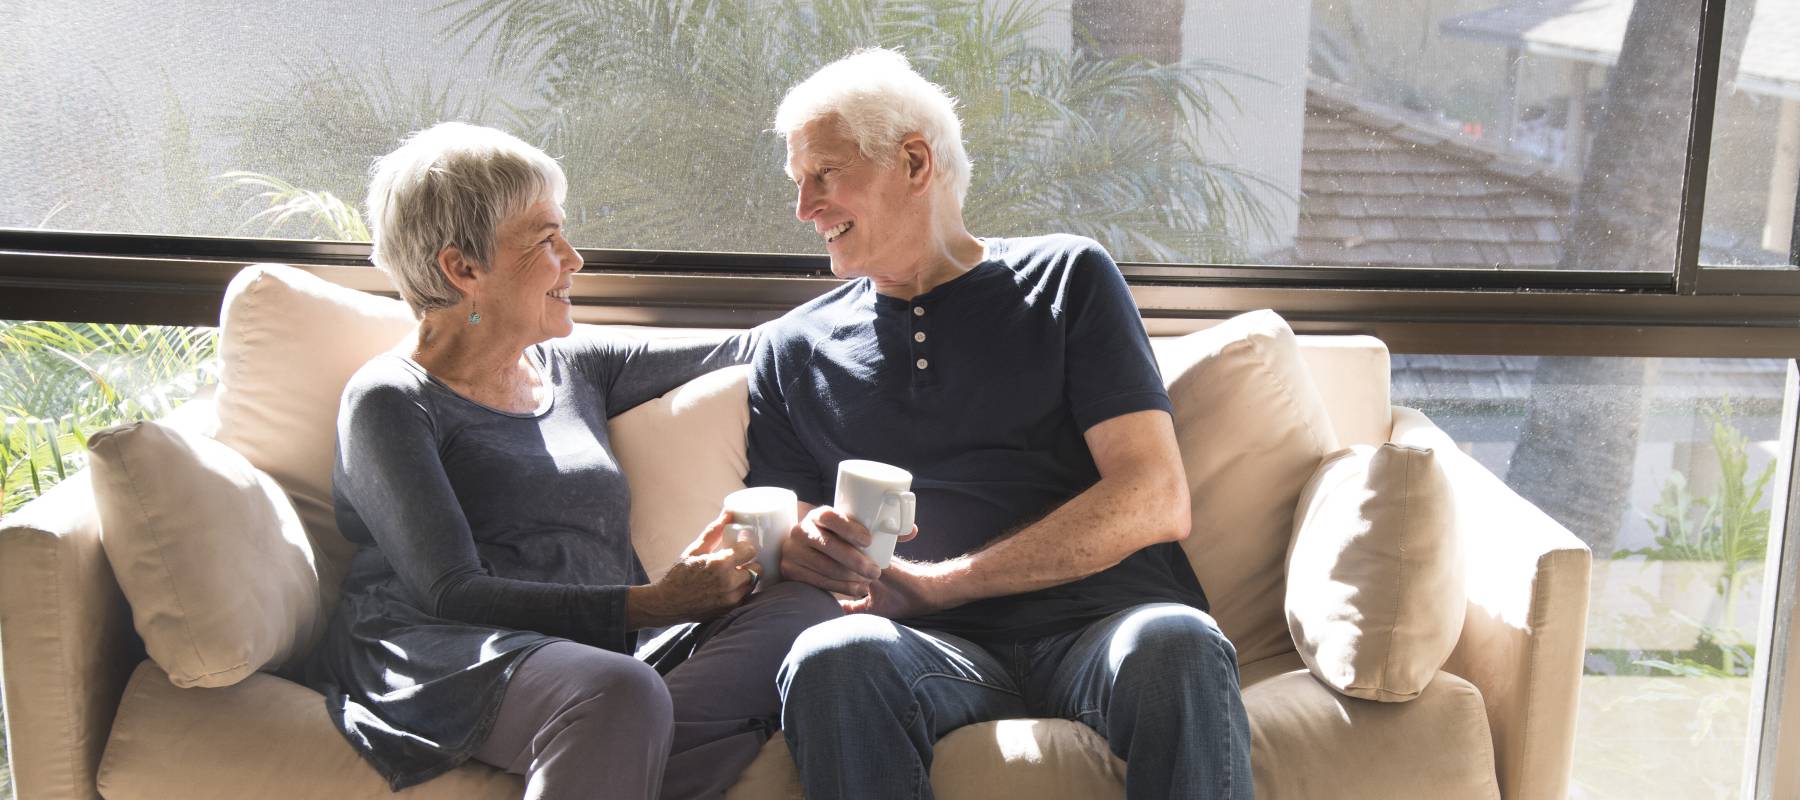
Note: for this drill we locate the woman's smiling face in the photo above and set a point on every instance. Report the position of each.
(526, 288)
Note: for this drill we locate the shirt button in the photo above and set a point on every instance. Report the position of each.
(919, 337)
(918, 311)
(922, 363)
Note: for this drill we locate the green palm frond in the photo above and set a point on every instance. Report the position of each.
(59, 381)
(665, 105)
(324, 214)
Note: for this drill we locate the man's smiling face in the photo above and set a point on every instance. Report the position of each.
(867, 213)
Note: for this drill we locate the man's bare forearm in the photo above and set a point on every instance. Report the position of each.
(1095, 530)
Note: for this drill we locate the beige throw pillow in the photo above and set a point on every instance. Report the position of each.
(208, 551)
(682, 453)
(1252, 428)
(1375, 596)
(288, 343)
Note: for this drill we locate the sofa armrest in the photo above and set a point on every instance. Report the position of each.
(1523, 636)
(66, 642)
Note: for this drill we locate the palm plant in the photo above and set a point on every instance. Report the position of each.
(319, 214)
(665, 106)
(61, 381)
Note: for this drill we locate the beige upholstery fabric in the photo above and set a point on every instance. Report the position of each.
(682, 453)
(208, 551)
(288, 343)
(65, 642)
(1375, 574)
(1306, 742)
(1527, 583)
(1310, 742)
(1252, 428)
(263, 737)
(1352, 375)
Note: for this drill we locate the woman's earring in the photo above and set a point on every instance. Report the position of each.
(474, 316)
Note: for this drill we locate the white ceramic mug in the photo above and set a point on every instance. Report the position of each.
(876, 495)
(764, 514)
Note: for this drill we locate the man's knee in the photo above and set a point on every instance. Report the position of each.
(1172, 640)
(832, 655)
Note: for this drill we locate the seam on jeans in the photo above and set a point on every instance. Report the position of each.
(1098, 723)
(1222, 711)
(914, 683)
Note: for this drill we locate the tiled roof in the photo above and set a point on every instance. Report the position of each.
(1593, 30)
(1377, 191)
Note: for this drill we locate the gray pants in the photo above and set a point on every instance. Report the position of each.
(681, 720)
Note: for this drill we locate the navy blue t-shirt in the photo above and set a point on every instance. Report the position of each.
(982, 388)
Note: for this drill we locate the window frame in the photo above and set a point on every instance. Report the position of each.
(1693, 311)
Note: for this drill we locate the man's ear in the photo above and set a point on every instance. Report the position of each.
(457, 269)
(921, 163)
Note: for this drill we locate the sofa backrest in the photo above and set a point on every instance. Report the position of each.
(1352, 374)
(290, 341)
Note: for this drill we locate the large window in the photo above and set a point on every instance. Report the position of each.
(1507, 191)
(1410, 133)
(1755, 168)
(1667, 468)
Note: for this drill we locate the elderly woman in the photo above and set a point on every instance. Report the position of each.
(494, 605)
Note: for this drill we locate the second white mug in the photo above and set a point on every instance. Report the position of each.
(878, 496)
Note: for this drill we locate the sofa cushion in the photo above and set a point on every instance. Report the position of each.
(1352, 374)
(263, 737)
(208, 551)
(1251, 428)
(288, 343)
(1307, 741)
(1375, 596)
(681, 454)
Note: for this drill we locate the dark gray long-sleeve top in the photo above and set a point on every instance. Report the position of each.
(482, 534)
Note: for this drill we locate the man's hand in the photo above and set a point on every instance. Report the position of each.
(905, 589)
(711, 577)
(825, 550)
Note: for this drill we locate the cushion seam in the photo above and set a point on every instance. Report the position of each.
(1289, 394)
(62, 667)
(1400, 574)
(162, 558)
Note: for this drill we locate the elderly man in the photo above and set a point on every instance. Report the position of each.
(1013, 379)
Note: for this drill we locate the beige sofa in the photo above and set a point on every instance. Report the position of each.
(88, 715)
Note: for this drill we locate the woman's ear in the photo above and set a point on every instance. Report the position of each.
(921, 163)
(460, 271)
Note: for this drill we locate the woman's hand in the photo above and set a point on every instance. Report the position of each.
(710, 578)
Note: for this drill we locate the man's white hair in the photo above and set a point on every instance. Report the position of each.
(879, 99)
(451, 184)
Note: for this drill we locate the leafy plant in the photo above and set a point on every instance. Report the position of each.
(665, 105)
(320, 214)
(61, 381)
(1730, 527)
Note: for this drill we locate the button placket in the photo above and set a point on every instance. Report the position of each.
(921, 356)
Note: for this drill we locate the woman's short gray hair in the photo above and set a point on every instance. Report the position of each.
(451, 184)
(879, 99)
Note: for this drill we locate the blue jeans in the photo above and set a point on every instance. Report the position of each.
(864, 699)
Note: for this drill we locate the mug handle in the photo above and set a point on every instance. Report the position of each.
(895, 507)
(736, 531)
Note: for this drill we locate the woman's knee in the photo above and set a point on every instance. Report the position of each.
(613, 689)
(793, 607)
